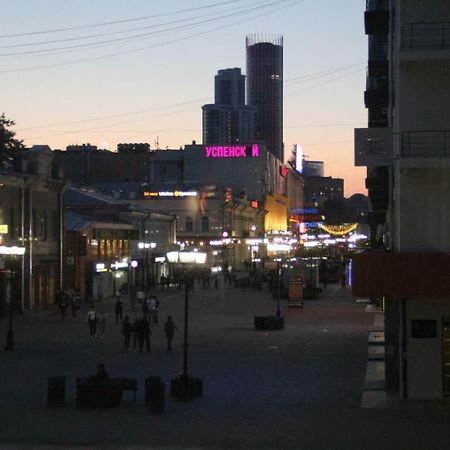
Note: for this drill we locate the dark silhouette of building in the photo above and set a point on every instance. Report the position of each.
(228, 120)
(265, 89)
(229, 87)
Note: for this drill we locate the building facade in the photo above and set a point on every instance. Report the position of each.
(31, 190)
(228, 120)
(410, 269)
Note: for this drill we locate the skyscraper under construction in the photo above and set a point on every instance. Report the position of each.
(265, 89)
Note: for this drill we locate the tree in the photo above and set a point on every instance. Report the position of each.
(7, 137)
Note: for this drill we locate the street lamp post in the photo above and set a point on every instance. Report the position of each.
(187, 283)
(185, 387)
(10, 333)
(11, 251)
(279, 293)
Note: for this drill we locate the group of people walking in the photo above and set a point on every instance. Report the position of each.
(137, 333)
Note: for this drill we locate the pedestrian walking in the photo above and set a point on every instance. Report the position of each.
(118, 309)
(92, 321)
(153, 303)
(143, 334)
(126, 331)
(169, 329)
(62, 307)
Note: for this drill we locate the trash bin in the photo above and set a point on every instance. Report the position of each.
(56, 392)
(154, 394)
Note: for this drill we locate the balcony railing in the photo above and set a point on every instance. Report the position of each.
(426, 144)
(426, 36)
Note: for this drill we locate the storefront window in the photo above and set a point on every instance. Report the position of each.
(102, 250)
(108, 249)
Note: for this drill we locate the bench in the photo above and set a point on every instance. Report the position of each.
(93, 393)
(124, 384)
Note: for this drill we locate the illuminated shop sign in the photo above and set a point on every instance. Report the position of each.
(14, 250)
(178, 194)
(254, 204)
(298, 151)
(3, 229)
(119, 265)
(283, 171)
(101, 267)
(232, 151)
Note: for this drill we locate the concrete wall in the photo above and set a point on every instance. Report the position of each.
(423, 208)
(424, 355)
(424, 96)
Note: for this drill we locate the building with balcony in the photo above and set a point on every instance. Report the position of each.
(408, 163)
(31, 230)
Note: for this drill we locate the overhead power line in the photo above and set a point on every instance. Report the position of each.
(118, 32)
(153, 33)
(116, 22)
(147, 47)
(159, 108)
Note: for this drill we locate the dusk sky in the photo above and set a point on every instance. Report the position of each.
(110, 71)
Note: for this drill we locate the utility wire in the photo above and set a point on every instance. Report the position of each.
(109, 42)
(135, 19)
(125, 52)
(158, 109)
(323, 73)
(109, 33)
(324, 82)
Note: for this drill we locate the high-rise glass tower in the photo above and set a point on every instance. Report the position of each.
(265, 89)
(228, 120)
(229, 87)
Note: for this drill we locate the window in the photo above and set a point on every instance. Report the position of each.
(189, 223)
(205, 223)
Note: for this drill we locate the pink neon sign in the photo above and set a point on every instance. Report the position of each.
(232, 151)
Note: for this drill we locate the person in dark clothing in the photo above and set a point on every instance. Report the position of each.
(62, 308)
(118, 309)
(126, 331)
(134, 328)
(74, 307)
(92, 321)
(169, 329)
(101, 374)
(143, 334)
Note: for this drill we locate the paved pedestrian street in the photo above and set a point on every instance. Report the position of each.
(300, 387)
